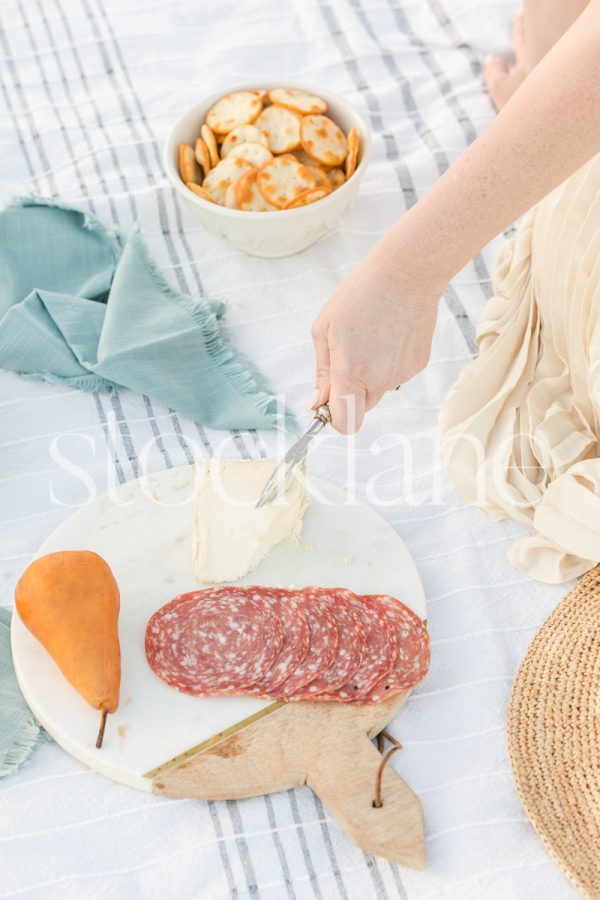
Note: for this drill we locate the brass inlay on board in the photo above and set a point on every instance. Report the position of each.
(210, 742)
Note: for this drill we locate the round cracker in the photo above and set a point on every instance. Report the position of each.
(254, 153)
(230, 201)
(199, 190)
(238, 108)
(298, 101)
(282, 179)
(323, 140)
(352, 144)
(321, 179)
(211, 142)
(282, 128)
(336, 177)
(306, 197)
(225, 173)
(202, 155)
(243, 134)
(188, 166)
(306, 160)
(247, 195)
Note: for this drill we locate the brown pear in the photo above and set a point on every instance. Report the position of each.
(70, 602)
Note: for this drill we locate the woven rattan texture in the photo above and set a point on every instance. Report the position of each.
(554, 734)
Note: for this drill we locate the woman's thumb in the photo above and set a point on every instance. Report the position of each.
(322, 379)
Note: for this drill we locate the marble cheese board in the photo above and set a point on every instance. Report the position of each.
(143, 529)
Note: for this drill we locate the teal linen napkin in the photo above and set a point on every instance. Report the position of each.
(20, 731)
(83, 305)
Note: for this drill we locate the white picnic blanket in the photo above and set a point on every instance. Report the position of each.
(89, 91)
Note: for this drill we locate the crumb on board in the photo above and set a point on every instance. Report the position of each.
(306, 546)
(122, 730)
(347, 559)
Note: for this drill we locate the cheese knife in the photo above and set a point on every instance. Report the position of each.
(279, 477)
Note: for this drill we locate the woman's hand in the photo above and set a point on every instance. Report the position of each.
(375, 331)
(372, 335)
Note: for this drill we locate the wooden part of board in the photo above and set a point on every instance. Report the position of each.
(325, 745)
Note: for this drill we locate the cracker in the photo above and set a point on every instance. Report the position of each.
(188, 167)
(321, 179)
(209, 139)
(247, 195)
(230, 195)
(306, 160)
(298, 101)
(225, 173)
(352, 144)
(282, 179)
(232, 110)
(254, 153)
(243, 134)
(202, 155)
(336, 177)
(282, 128)
(306, 197)
(199, 190)
(323, 140)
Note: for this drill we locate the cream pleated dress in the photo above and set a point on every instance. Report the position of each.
(521, 426)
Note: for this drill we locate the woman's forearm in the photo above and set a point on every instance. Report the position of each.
(549, 128)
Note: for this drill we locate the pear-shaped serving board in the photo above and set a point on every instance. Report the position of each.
(228, 747)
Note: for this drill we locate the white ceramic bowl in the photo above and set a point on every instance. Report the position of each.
(286, 231)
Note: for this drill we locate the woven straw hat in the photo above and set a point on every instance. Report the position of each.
(554, 734)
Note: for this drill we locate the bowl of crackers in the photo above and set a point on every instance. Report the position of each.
(269, 168)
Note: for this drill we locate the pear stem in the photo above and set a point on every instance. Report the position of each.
(100, 737)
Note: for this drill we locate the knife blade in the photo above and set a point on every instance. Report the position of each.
(278, 479)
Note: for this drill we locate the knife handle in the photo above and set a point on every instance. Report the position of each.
(321, 419)
(322, 413)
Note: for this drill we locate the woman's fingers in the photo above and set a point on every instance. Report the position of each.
(373, 398)
(347, 401)
(373, 334)
(349, 405)
(322, 380)
(337, 384)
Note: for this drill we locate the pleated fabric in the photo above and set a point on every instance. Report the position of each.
(520, 427)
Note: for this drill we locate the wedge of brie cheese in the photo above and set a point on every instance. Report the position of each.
(230, 535)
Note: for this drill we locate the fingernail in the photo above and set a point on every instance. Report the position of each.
(315, 399)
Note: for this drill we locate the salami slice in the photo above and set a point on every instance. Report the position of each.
(323, 644)
(414, 651)
(350, 650)
(380, 653)
(296, 640)
(213, 642)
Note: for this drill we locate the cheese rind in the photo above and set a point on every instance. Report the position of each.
(231, 537)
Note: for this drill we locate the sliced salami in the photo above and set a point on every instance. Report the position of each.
(414, 651)
(214, 642)
(296, 640)
(322, 649)
(380, 653)
(351, 646)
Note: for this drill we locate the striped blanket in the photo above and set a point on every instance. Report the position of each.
(88, 93)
